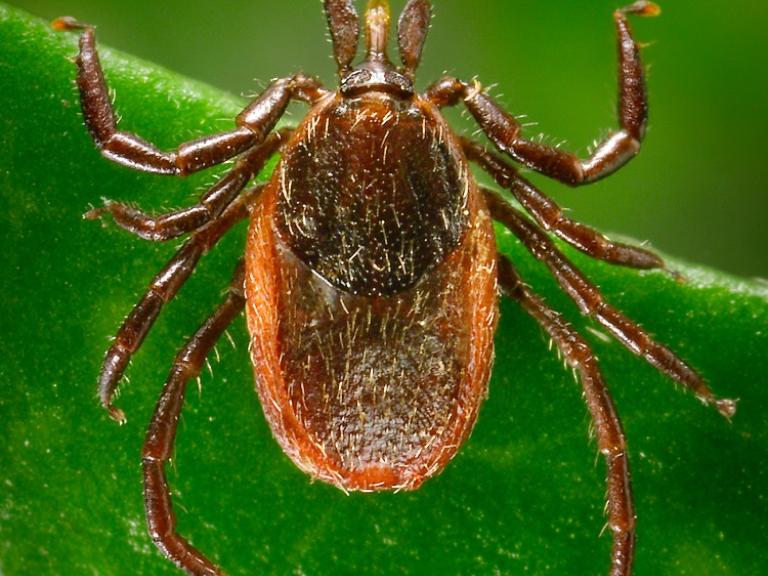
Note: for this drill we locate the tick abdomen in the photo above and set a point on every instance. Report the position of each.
(372, 384)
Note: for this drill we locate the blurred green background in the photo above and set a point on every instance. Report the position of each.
(698, 189)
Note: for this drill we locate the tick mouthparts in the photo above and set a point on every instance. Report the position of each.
(377, 16)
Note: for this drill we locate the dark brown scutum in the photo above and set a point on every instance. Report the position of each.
(372, 194)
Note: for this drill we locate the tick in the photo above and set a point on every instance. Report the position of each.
(370, 278)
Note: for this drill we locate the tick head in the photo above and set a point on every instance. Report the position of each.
(376, 72)
(375, 77)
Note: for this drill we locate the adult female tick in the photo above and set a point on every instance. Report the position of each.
(371, 274)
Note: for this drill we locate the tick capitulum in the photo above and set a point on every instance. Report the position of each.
(370, 274)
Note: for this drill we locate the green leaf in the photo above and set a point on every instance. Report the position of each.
(524, 494)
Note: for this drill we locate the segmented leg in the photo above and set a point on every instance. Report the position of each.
(550, 216)
(610, 437)
(610, 155)
(211, 204)
(591, 302)
(161, 290)
(344, 26)
(158, 445)
(253, 123)
(412, 28)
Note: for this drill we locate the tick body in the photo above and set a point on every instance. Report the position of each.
(370, 275)
(371, 293)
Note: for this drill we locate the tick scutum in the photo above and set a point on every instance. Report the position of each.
(372, 195)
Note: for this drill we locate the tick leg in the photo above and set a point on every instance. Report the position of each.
(591, 302)
(412, 28)
(550, 216)
(212, 203)
(162, 289)
(610, 437)
(610, 155)
(253, 123)
(158, 444)
(344, 26)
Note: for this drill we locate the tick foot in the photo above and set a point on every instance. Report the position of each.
(726, 407)
(116, 414)
(642, 8)
(68, 23)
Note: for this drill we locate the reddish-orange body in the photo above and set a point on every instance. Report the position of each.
(371, 293)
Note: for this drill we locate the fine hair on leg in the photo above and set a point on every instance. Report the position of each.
(161, 435)
(591, 302)
(610, 436)
(162, 290)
